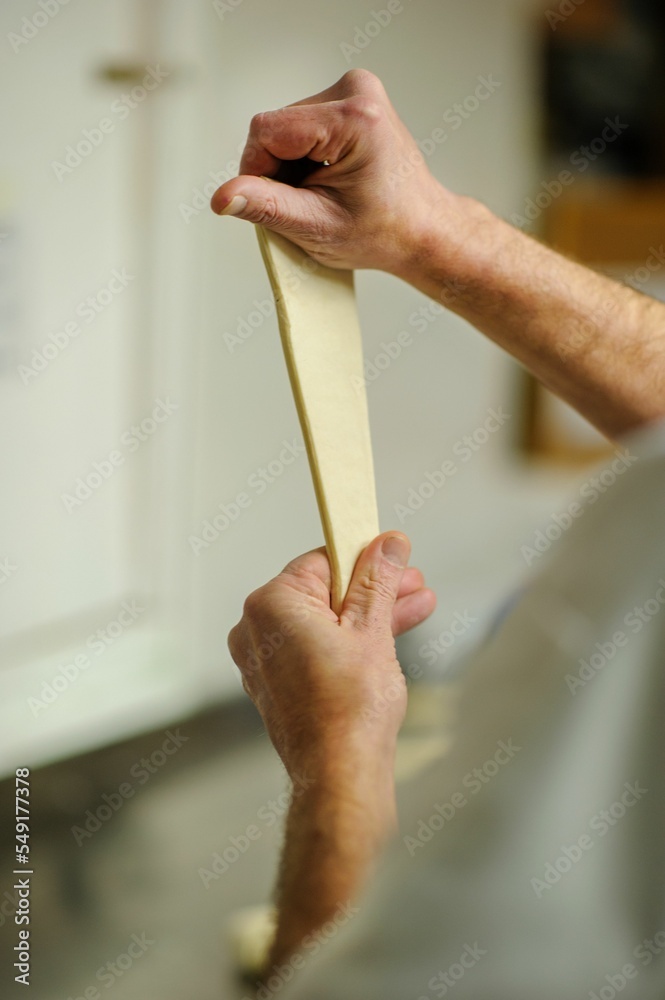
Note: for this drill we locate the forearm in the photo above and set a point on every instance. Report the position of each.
(317, 694)
(335, 831)
(596, 343)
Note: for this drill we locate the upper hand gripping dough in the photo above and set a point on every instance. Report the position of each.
(318, 322)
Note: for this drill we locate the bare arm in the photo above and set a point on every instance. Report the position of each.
(332, 698)
(335, 830)
(596, 343)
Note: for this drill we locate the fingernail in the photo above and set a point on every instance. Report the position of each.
(237, 205)
(396, 550)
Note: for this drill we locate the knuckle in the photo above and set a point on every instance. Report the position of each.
(253, 605)
(380, 588)
(268, 214)
(362, 109)
(232, 643)
(257, 124)
(251, 154)
(358, 80)
(265, 126)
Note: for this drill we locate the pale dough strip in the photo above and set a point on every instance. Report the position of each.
(321, 339)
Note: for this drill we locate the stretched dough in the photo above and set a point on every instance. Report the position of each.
(318, 323)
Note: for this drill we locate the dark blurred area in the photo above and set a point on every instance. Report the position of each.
(606, 60)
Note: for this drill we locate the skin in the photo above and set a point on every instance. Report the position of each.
(319, 704)
(596, 343)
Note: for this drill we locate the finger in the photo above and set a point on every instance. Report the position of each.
(287, 210)
(411, 581)
(322, 128)
(316, 563)
(324, 133)
(239, 643)
(376, 581)
(354, 81)
(319, 132)
(412, 610)
(309, 571)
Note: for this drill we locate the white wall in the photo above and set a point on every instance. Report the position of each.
(75, 566)
(196, 278)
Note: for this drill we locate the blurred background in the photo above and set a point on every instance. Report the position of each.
(144, 389)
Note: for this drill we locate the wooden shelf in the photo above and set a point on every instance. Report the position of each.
(608, 221)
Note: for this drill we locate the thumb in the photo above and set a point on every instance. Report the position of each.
(297, 213)
(375, 583)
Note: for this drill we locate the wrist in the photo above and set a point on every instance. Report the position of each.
(353, 770)
(447, 252)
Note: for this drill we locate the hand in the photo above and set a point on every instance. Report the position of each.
(315, 677)
(373, 205)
